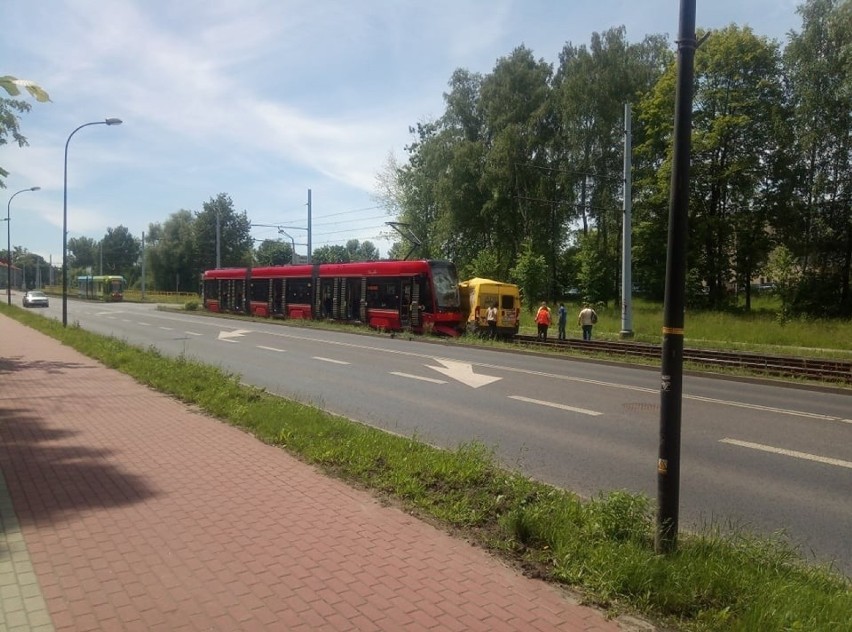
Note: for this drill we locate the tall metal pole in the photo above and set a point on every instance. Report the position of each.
(671, 386)
(218, 240)
(309, 225)
(143, 266)
(109, 121)
(9, 243)
(626, 239)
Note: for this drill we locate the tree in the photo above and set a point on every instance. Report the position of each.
(34, 269)
(330, 254)
(530, 274)
(516, 200)
(592, 276)
(786, 274)
(10, 108)
(119, 252)
(273, 252)
(818, 225)
(737, 147)
(588, 146)
(484, 265)
(82, 253)
(171, 253)
(362, 251)
(235, 242)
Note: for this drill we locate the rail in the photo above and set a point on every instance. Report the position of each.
(824, 370)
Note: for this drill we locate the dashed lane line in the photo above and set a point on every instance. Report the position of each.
(541, 402)
(332, 360)
(271, 349)
(792, 453)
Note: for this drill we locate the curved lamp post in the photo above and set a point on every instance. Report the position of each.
(109, 121)
(9, 244)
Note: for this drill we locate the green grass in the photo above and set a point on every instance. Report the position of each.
(760, 330)
(717, 580)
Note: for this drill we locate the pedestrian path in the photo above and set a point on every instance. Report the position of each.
(123, 509)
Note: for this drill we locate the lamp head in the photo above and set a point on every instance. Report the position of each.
(113, 121)
(35, 188)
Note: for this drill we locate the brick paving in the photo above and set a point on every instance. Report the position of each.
(123, 509)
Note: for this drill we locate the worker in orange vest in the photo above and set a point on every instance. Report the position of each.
(542, 319)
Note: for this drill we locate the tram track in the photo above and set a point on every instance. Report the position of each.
(838, 372)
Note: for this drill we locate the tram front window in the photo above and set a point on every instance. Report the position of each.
(446, 285)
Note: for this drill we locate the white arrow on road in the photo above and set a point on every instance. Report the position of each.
(227, 335)
(463, 372)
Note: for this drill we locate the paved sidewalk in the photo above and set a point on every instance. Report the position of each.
(123, 509)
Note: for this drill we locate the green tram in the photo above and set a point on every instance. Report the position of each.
(101, 288)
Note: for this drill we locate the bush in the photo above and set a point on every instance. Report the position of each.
(190, 306)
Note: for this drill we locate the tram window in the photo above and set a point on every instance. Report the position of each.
(259, 290)
(299, 291)
(383, 295)
(446, 285)
(211, 289)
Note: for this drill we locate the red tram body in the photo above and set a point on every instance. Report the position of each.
(422, 296)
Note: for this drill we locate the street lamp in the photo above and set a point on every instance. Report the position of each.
(9, 244)
(109, 121)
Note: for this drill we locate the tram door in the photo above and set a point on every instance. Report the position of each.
(277, 306)
(405, 299)
(327, 298)
(352, 293)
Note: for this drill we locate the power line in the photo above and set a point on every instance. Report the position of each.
(337, 214)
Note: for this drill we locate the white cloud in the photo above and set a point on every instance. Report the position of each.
(263, 99)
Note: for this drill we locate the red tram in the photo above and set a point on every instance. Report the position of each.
(393, 295)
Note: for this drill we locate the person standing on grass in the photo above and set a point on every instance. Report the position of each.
(491, 319)
(563, 316)
(542, 319)
(586, 319)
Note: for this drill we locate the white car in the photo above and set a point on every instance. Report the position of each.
(35, 298)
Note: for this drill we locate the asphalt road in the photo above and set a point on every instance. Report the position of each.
(766, 457)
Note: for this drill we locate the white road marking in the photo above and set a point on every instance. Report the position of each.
(542, 402)
(463, 372)
(166, 328)
(144, 324)
(557, 376)
(192, 333)
(769, 409)
(792, 453)
(418, 377)
(237, 333)
(333, 361)
(271, 349)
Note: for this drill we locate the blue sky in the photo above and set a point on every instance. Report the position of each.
(265, 99)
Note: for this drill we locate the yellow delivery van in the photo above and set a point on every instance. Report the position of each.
(477, 294)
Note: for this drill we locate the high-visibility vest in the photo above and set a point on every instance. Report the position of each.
(543, 316)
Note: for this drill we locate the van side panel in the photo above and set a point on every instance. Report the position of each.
(478, 294)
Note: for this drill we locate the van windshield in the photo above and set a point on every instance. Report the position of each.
(446, 285)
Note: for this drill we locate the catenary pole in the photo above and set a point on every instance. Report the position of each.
(626, 239)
